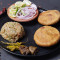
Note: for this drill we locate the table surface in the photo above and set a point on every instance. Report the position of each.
(47, 4)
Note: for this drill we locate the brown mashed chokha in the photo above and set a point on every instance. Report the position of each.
(12, 31)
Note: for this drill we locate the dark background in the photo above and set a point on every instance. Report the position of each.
(47, 4)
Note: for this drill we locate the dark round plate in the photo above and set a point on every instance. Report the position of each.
(30, 28)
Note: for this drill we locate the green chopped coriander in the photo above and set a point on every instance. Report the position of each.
(24, 5)
(16, 11)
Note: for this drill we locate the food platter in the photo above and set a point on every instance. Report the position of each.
(30, 29)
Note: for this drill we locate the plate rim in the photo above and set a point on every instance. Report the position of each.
(28, 55)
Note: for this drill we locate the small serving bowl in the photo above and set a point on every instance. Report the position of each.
(22, 20)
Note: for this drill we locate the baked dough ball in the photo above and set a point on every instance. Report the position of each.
(12, 31)
(46, 36)
(49, 17)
